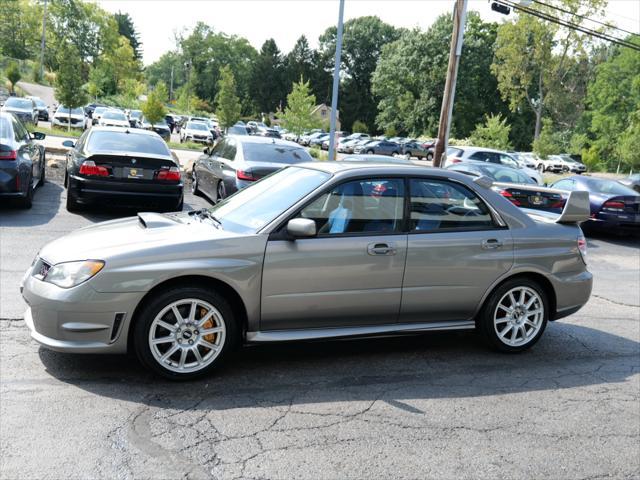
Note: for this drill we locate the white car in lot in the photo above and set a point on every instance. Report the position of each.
(64, 117)
(574, 165)
(457, 154)
(196, 132)
(114, 118)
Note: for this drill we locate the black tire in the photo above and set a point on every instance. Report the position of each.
(221, 191)
(430, 156)
(72, 203)
(43, 174)
(27, 201)
(485, 320)
(369, 152)
(194, 182)
(151, 308)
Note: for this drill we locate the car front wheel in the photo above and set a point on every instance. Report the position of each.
(184, 332)
(515, 315)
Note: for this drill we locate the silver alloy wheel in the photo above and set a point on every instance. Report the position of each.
(518, 316)
(187, 335)
(194, 181)
(221, 192)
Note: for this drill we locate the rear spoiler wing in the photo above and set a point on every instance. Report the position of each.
(576, 209)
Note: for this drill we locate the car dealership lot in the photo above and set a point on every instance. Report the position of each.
(437, 406)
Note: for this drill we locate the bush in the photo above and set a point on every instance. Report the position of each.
(359, 127)
(318, 154)
(493, 133)
(13, 75)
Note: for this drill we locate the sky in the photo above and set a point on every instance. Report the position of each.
(285, 20)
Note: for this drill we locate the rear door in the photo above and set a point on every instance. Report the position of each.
(30, 149)
(456, 250)
(350, 274)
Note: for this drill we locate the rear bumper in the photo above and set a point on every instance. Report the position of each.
(90, 191)
(12, 183)
(572, 292)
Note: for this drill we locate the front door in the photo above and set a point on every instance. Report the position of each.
(456, 250)
(350, 274)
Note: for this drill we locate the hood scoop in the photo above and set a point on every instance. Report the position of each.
(155, 220)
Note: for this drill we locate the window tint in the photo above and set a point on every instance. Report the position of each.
(127, 142)
(219, 148)
(362, 206)
(507, 160)
(438, 205)
(19, 131)
(230, 150)
(275, 153)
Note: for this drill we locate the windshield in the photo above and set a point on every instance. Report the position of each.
(504, 174)
(135, 114)
(237, 131)
(609, 186)
(113, 116)
(108, 141)
(74, 111)
(274, 153)
(196, 126)
(40, 103)
(99, 110)
(255, 206)
(19, 103)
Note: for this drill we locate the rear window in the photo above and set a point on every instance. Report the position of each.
(274, 153)
(609, 186)
(101, 141)
(114, 116)
(454, 152)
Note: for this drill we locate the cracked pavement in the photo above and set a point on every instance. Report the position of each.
(427, 406)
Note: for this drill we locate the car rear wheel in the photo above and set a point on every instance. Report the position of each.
(429, 156)
(221, 191)
(194, 182)
(184, 332)
(72, 204)
(515, 315)
(369, 152)
(27, 200)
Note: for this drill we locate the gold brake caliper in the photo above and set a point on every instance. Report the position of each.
(210, 337)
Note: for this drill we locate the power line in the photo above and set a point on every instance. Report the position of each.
(560, 9)
(572, 26)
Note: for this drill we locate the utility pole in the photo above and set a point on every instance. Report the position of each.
(171, 86)
(459, 19)
(336, 83)
(42, 41)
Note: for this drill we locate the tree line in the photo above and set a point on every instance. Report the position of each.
(524, 83)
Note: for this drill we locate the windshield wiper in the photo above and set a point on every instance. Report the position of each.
(205, 213)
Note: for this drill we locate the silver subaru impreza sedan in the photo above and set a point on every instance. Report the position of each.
(314, 251)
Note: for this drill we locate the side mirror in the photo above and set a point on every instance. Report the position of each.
(38, 135)
(301, 228)
(68, 143)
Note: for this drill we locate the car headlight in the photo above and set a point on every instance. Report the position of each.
(70, 274)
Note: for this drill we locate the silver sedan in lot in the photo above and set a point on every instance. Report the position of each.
(313, 251)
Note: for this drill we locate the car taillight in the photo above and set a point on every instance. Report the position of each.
(456, 160)
(169, 174)
(8, 154)
(245, 175)
(582, 247)
(614, 205)
(507, 194)
(90, 168)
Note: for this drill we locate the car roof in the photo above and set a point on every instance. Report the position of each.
(477, 149)
(136, 131)
(267, 140)
(378, 168)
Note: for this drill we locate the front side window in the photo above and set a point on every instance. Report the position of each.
(438, 205)
(360, 206)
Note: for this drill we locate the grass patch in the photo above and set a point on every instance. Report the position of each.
(319, 154)
(61, 132)
(198, 147)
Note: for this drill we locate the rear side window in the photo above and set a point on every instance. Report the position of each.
(438, 205)
(274, 153)
(103, 141)
(229, 151)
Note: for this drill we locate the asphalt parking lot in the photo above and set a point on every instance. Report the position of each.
(429, 406)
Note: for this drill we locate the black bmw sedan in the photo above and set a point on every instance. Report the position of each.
(238, 160)
(22, 162)
(120, 167)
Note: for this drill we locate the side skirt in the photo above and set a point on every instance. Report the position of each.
(364, 331)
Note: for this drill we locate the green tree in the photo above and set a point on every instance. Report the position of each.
(162, 69)
(360, 127)
(541, 65)
(629, 145)
(153, 108)
(493, 133)
(304, 62)
(548, 142)
(363, 39)
(613, 100)
(267, 78)
(13, 75)
(127, 29)
(19, 28)
(69, 82)
(298, 116)
(227, 101)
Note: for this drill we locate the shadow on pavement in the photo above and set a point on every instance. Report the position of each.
(445, 365)
(46, 201)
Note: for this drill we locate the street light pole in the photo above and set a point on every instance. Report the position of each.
(336, 83)
(459, 19)
(42, 41)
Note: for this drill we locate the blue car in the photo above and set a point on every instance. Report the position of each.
(614, 207)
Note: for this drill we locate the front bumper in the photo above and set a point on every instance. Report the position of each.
(88, 191)
(77, 319)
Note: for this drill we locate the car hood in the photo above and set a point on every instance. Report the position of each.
(66, 115)
(131, 239)
(17, 110)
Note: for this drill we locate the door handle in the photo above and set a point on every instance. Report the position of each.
(491, 244)
(381, 249)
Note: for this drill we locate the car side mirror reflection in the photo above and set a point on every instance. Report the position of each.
(68, 143)
(38, 135)
(206, 150)
(301, 228)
